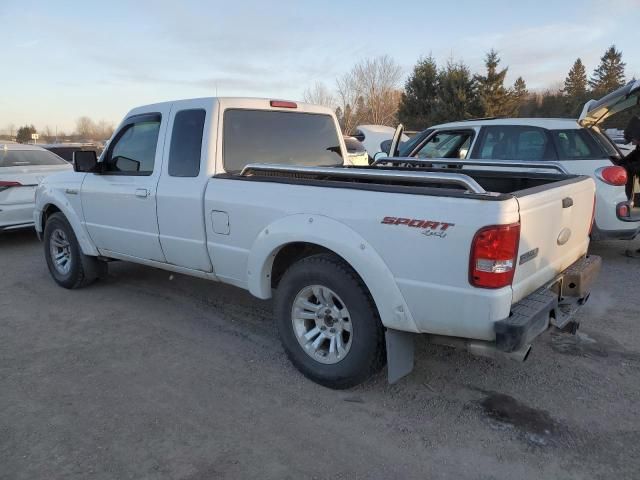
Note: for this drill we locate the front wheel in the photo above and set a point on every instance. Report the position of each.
(68, 266)
(328, 323)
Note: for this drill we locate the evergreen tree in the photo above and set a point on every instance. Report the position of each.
(24, 134)
(575, 88)
(575, 85)
(610, 73)
(457, 94)
(417, 105)
(494, 97)
(518, 96)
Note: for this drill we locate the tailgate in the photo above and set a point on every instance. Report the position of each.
(554, 232)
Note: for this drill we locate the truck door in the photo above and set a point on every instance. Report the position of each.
(119, 202)
(181, 218)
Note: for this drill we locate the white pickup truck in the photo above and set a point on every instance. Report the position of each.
(255, 193)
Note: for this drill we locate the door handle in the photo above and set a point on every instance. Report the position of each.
(142, 192)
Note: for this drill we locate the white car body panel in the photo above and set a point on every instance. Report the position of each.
(229, 228)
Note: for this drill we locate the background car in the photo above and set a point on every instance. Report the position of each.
(356, 152)
(578, 145)
(65, 150)
(22, 168)
(617, 136)
(371, 136)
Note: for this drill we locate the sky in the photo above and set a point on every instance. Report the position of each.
(64, 59)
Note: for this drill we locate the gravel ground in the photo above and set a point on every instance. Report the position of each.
(153, 375)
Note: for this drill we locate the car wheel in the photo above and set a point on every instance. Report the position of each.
(68, 266)
(328, 324)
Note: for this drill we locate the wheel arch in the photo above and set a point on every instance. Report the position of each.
(297, 236)
(52, 206)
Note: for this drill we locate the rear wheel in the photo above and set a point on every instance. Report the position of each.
(68, 266)
(328, 324)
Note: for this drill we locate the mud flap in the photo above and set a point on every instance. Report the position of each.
(400, 350)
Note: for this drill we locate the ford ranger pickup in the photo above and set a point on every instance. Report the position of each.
(259, 194)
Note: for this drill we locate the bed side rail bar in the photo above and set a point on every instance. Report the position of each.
(479, 163)
(459, 179)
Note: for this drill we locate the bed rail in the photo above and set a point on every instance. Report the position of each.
(480, 163)
(459, 179)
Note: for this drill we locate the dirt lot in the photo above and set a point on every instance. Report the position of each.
(152, 375)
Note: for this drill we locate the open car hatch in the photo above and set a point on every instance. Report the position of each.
(596, 111)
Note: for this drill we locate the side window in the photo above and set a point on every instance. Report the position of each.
(133, 151)
(446, 145)
(511, 142)
(577, 144)
(186, 143)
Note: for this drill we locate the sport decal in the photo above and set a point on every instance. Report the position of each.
(429, 228)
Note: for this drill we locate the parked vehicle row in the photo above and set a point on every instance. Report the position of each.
(255, 193)
(578, 145)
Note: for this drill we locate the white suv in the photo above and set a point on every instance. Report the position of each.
(578, 145)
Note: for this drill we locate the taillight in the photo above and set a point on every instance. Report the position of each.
(283, 104)
(613, 175)
(493, 256)
(6, 185)
(622, 210)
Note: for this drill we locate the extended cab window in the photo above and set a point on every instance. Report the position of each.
(454, 144)
(292, 138)
(514, 142)
(186, 143)
(133, 151)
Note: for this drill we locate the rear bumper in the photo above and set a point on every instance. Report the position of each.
(553, 305)
(628, 234)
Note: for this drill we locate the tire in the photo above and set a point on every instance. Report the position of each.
(321, 295)
(68, 266)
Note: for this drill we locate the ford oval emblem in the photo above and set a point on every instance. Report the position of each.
(565, 235)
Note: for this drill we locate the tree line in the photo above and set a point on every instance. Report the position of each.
(86, 130)
(371, 92)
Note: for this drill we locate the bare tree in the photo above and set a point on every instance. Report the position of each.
(85, 127)
(103, 130)
(348, 96)
(319, 94)
(48, 134)
(370, 93)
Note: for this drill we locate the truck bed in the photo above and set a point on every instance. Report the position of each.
(494, 184)
(430, 267)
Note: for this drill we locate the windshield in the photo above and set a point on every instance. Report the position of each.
(405, 148)
(23, 158)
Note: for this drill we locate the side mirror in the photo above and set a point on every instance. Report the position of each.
(380, 155)
(84, 161)
(385, 147)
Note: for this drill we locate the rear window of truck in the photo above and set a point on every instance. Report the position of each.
(290, 138)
